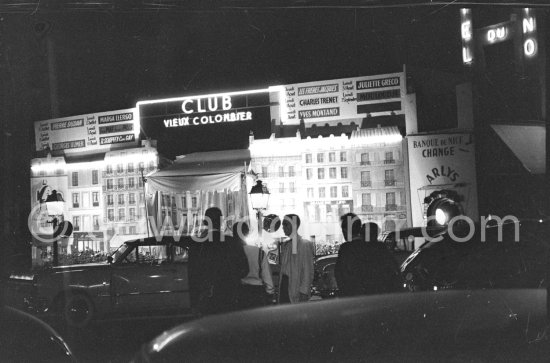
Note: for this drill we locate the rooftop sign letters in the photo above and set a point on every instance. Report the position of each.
(189, 123)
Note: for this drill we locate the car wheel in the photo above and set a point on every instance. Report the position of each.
(77, 310)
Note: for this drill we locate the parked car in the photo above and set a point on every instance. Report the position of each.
(324, 281)
(485, 260)
(141, 277)
(446, 326)
(25, 338)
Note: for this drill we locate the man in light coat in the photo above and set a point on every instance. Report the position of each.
(297, 259)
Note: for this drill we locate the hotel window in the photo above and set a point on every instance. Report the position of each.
(76, 200)
(133, 230)
(321, 173)
(110, 215)
(141, 165)
(74, 178)
(110, 184)
(193, 202)
(130, 167)
(121, 215)
(76, 223)
(141, 197)
(151, 165)
(365, 159)
(120, 183)
(309, 174)
(131, 183)
(281, 187)
(109, 169)
(332, 157)
(95, 199)
(122, 230)
(132, 212)
(320, 157)
(121, 199)
(110, 199)
(343, 156)
(281, 172)
(310, 192)
(95, 222)
(120, 168)
(333, 192)
(264, 172)
(308, 158)
(131, 198)
(390, 202)
(184, 202)
(365, 179)
(365, 199)
(344, 172)
(389, 177)
(291, 171)
(140, 182)
(345, 192)
(332, 173)
(291, 187)
(389, 158)
(322, 192)
(95, 177)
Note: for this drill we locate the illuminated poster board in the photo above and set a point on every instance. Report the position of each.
(342, 99)
(442, 161)
(95, 132)
(205, 123)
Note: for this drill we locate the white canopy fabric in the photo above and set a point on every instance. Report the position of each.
(214, 170)
(527, 141)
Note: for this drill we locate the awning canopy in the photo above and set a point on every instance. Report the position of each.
(527, 140)
(214, 170)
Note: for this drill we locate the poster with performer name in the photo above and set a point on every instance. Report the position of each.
(342, 99)
(95, 132)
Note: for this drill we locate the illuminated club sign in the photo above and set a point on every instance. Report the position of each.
(523, 26)
(205, 122)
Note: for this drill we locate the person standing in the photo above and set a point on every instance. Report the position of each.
(297, 260)
(364, 265)
(216, 266)
(257, 287)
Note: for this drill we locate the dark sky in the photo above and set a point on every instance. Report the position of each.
(110, 60)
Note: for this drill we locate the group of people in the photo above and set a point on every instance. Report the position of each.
(227, 274)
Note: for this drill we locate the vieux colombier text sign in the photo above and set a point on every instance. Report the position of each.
(205, 123)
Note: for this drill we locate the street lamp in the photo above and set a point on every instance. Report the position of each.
(54, 206)
(259, 196)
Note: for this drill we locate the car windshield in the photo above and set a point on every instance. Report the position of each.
(361, 177)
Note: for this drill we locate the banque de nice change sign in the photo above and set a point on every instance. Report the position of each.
(206, 122)
(442, 161)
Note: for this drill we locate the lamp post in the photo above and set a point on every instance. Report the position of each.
(259, 196)
(54, 206)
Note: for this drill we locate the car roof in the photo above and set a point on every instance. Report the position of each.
(356, 328)
(151, 241)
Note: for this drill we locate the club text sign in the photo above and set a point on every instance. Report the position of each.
(189, 124)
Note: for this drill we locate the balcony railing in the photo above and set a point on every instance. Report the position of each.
(366, 183)
(95, 204)
(367, 208)
(389, 182)
(281, 175)
(365, 162)
(391, 207)
(120, 187)
(76, 205)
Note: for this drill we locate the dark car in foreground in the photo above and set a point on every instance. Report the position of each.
(142, 277)
(443, 326)
(510, 255)
(25, 338)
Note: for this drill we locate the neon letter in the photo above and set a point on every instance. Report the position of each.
(226, 102)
